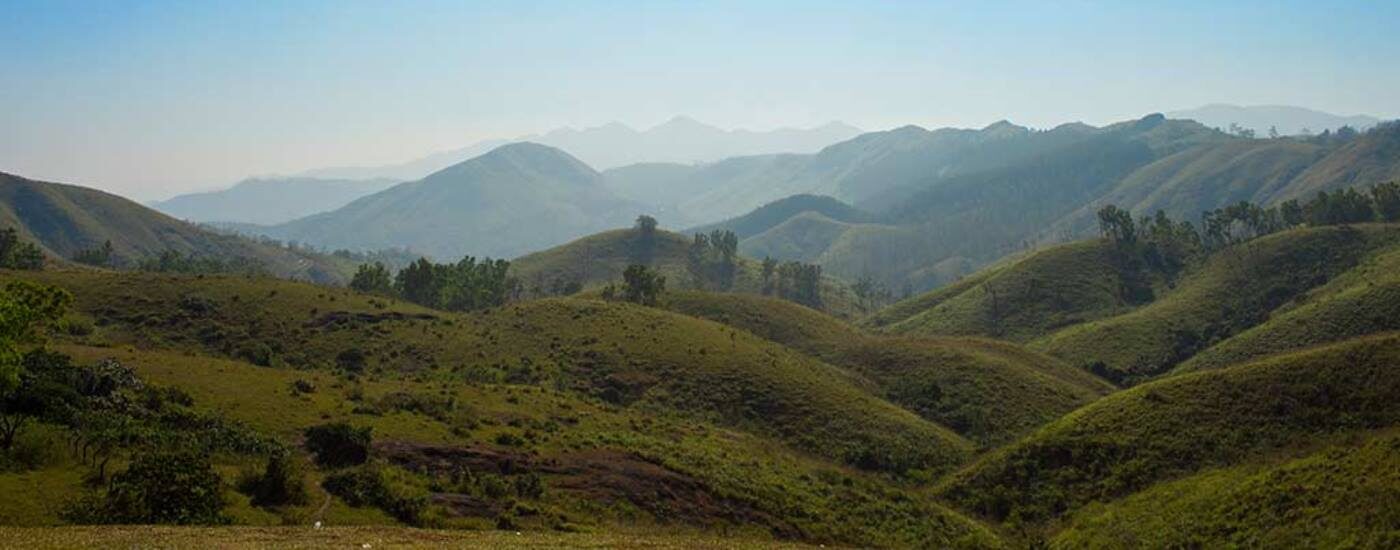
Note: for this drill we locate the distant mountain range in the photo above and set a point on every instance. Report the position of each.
(1286, 120)
(680, 140)
(269, 201)
(515, 199)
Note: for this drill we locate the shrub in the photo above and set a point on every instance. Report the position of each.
(351, 360)
(169, 488)
(338, 444)
(381, 487)
(281, 482)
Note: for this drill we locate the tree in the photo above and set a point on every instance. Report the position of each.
(177, 487)
(770, 270)
(339, 444)
(100, 256)
(642, 285)
(1117, 224)
(373, 279)
(17, 254)
(418, 283)
(646, 225)
(281, 482)
(800, 283)
(25, 308)
(643, 249)
(1386, 198)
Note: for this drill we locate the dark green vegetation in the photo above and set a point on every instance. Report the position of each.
(67, 221)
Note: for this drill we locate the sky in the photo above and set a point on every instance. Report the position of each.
(149, 99)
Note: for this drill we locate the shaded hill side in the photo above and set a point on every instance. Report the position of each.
(770, 215)
(1347, 495)
(1127, 441)
(1364, 300)
(1027, 298)
(1234, 291)
(269, 200)
(631, 356)
(65, 219)
(985, 390)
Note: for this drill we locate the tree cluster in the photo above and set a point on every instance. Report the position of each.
(640, 285)
(713, 259)
(100, 256)
(467, 285)
(174, 261)
(795, 281)
(17, 254)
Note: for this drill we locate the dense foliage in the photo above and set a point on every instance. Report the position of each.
(17, 254)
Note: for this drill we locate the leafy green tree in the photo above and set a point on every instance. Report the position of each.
(418, 283)
(281, 483)
(801, 283)
(373, 278)
(643, 247)
(25, 309)
(642, 285)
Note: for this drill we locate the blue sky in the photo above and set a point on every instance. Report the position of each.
(152, 98)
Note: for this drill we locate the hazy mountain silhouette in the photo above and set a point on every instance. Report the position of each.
(1287, 120)
(269, 200)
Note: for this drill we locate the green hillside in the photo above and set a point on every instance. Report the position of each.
(1363, 300)
(66, 219)
(1026, 298)
(770, 215)
(1130, 440)
(987, 391)
(1235, 290)
(1347, 495)
(624, 354)
(718, 430)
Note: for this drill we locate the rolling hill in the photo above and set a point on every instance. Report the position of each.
(1155, 432)
(515, 199)
(65, 219)
(987, 391)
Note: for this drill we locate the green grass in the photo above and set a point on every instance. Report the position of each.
(1235, 290)
(1130, 440)
(755, 433)
(1364, 300)
(988, 391)
(1346, 496)
(354, 537)
(1026, 299)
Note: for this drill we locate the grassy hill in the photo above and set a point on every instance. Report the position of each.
(65, 219)
(1130, 440)
(987, 391)
(600, 259)
(1347, 495)
(1023, 299)
(1235, 290)
(1363, 300)
(632, 416)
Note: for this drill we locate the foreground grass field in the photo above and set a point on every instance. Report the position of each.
(347, 537)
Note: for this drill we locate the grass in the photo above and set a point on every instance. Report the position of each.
(1235, 290)
(988, 391)
(1364, 300)
(1130, 440)
(741, 434)
(352, 537)
(1345, 496)
(1023, 300)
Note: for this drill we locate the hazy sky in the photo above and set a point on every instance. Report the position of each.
(148, 99)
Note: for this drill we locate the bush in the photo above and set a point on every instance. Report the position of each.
(178, 488)
(281, 482)
(351, 360)
(381, 487)
(338, 444)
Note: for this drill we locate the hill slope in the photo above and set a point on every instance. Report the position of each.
(515, 199)
(267, 201)
(65, 219)
(1132, 439)
(985, 390)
